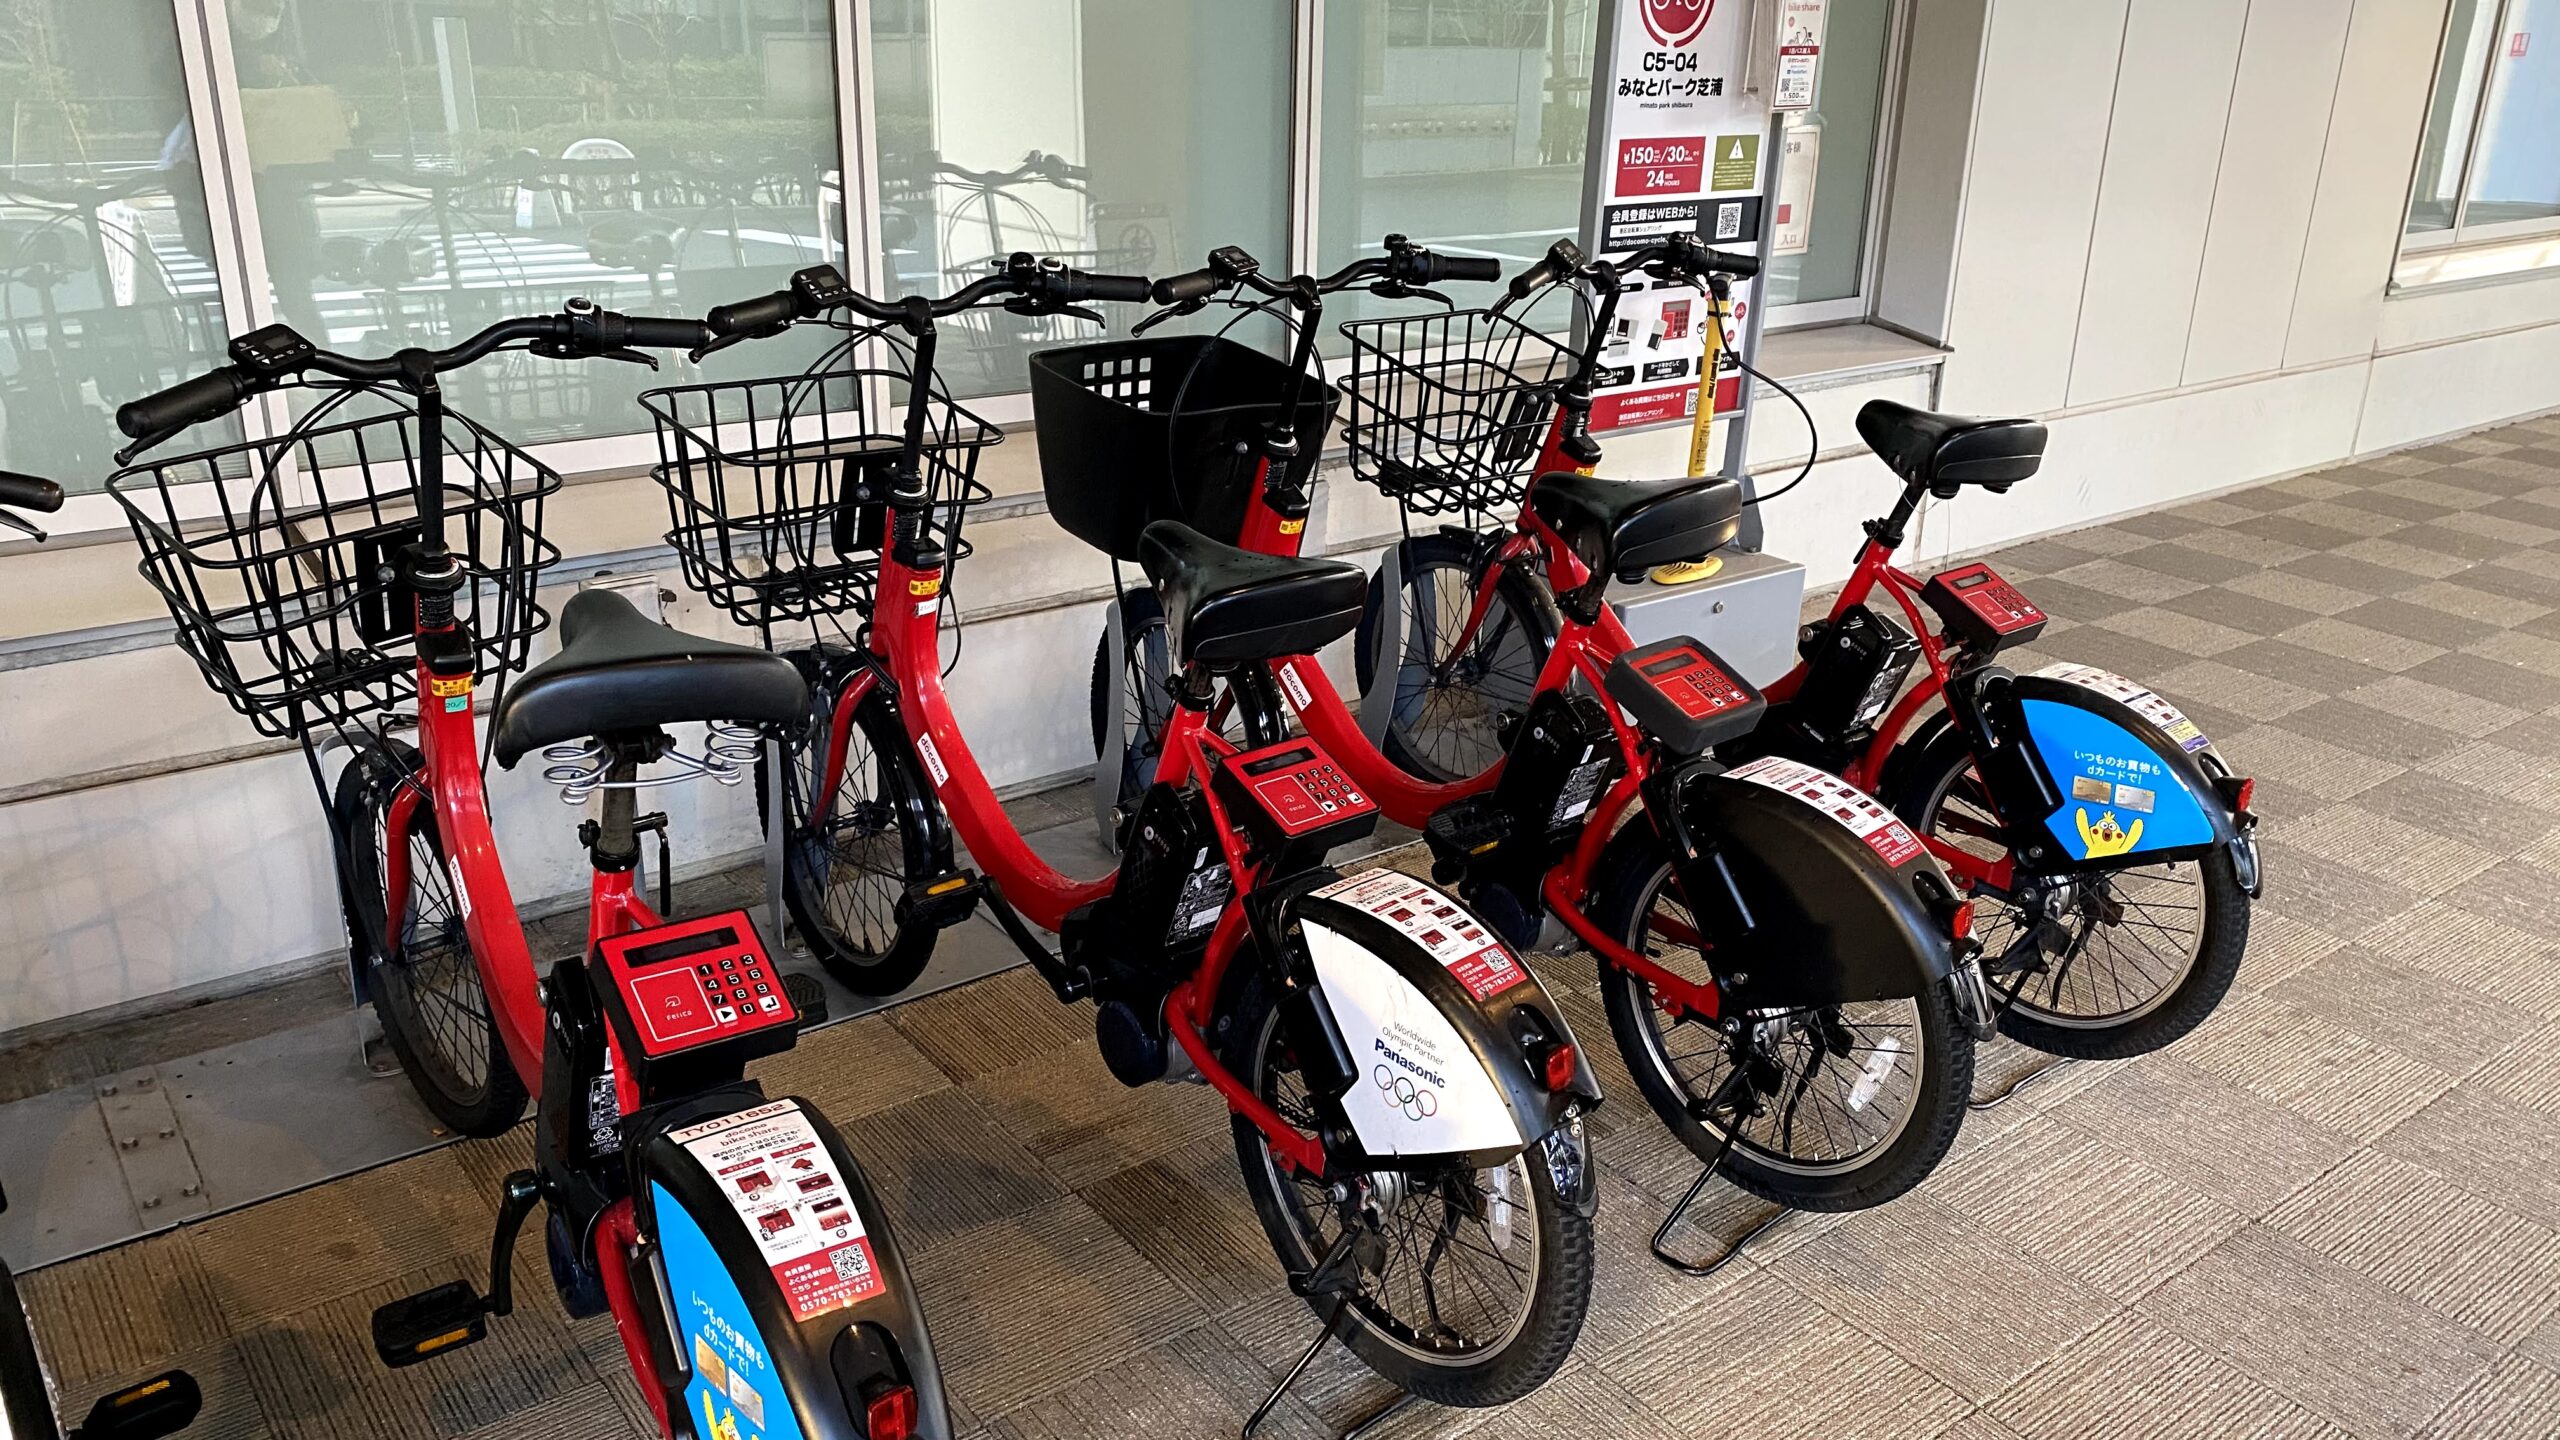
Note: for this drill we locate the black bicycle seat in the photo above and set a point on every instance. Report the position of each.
(1945, 451)
(619, 671)
(1615, 525)
(1225, 605)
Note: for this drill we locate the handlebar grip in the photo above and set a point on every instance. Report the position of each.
(189, 402)
(27, 492)
(659, 332)
(762, 313)
(1726, 262)
(1177, 289)
(1117, 287)
(1469, 267)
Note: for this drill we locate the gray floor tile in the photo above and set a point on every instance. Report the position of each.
(2484, 1145)
(2132, 1378)
(2187, 1123)
(2518, 1397)
(2224, 605)
(2412, 1230)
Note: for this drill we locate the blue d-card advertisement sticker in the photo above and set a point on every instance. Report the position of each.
(734, 1393)
(2118, 798)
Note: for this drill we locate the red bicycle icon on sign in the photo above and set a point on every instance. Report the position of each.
(1418, 1102)
(1675, 23)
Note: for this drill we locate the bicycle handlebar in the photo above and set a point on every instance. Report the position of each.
(820, 288)
(1405, 267)
(266, 358)
(28, 492)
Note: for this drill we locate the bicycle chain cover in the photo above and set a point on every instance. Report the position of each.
(1982, 611)
(692, 1002)
(1683, 695)
(1291, 798)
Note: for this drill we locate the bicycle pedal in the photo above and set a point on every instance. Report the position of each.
(806, 996)
(425, 1325)
(1461, 833)
(941, 901)
(162, 1405)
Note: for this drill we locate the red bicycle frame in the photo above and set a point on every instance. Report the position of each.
(448, 741)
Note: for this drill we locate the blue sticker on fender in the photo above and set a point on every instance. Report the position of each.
(2118, 798)
(734, 1393)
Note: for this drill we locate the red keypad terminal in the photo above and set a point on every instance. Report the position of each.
(695, 983)
(1293, 790)
(1982, 609)
(1689, 680)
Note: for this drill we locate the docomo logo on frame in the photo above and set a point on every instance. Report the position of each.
(1674, 23)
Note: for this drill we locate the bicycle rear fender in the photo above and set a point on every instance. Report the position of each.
(1443, 1031)
(1807, 891)
(2096, 773)
(784, 1297)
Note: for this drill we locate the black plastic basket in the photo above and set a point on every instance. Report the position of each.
(1161, 428)
(276, 560)
(1450, 410)
(774, 486)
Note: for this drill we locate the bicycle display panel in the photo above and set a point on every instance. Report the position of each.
(689, 986)
(1292, 792)
(1683, 695)
(1981, 609)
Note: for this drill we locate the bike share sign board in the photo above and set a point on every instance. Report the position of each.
(1682, 153)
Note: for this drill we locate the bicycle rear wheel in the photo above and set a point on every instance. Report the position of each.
(1455, 688)
(424, 977)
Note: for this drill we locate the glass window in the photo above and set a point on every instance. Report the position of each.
(1827, 165)
(1122, 135)
(2489, 165)
(420, 171)
(106, 277)
(1458, 122)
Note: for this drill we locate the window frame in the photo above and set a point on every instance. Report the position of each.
(1859, 308)
(2459, 235)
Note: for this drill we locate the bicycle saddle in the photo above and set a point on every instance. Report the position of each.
(1224, 605)
(1629, 525)
(618, 670)
(1945, 451)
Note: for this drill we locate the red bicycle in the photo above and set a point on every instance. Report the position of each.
(356, 566)
(1786, 970)
(1407, 1099)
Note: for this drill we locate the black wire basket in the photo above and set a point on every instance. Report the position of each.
(276, 559)
(1162, 428)
(775, 486)
(1450, 410)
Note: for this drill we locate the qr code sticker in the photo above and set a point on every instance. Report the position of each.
(1728, 222)
(852, 1263)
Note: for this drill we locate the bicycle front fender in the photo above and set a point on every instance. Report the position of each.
(2093, 772)
(781, 1296)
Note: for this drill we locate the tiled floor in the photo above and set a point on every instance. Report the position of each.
(2335, 1210)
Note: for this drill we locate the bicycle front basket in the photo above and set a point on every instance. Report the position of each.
(1450, 410)
(277, 560)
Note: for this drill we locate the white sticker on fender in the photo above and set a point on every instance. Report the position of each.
(1436, 922)
(1421, 1090)
(1837, 798)
(933, 760)
(777, 1175)
(1296, 685)
(2168, 718)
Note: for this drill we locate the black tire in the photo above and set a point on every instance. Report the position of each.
(426, 988)
(1769, 1157)
(1146, 672)
(843, 887)
(1537, 1329)
(2125, 993)
(1447, 724)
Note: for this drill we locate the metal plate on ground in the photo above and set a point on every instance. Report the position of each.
(275, 1114)
(66, 1192)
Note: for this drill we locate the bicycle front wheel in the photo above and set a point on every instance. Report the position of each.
(423, 974)
(1457, 684)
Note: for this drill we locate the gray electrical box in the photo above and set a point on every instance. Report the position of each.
(1746, 612)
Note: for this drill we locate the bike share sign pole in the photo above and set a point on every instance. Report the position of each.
(1681, 140)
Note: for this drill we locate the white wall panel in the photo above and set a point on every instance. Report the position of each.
(2420, 394)
(2048, 84)
(2271, 155)
(2379, 109)
(1942, 72)
(2425, 317)
(2173, 92)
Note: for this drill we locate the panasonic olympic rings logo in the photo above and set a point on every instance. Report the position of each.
(1418, 1102)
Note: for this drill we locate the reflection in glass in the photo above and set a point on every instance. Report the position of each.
(1841, 128)
(2470, 29)
(1458, 122)
(2517, 176)
(106, 282)
(1121, 135)
(421, 170)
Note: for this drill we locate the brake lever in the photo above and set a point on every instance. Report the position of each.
(1398, 290)
(558, 350)
(20, 525)
(718, 343)
(1187, 307)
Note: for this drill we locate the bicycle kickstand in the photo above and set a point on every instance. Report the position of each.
(1327, 1277)
(1704, 1109)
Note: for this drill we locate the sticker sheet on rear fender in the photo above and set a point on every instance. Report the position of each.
(2167, 718)
(1436, 922)
(1887, 836)
(780, 1179)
